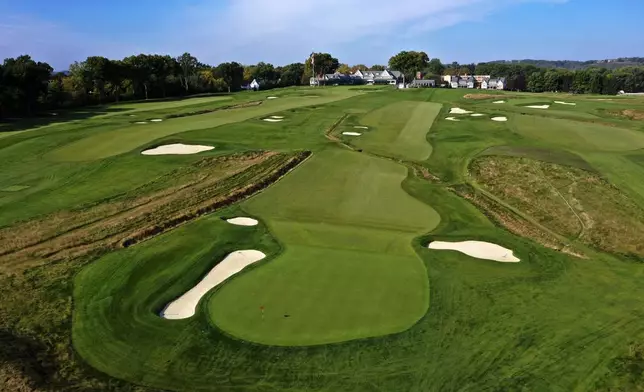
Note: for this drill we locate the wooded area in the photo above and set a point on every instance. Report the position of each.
(28, 87)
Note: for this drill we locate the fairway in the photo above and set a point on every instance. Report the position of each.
(348, 269)
(400, 130)
(131, 136)
(582, 136)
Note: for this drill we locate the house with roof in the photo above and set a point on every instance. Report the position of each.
(494, 84)
(379, 77)
(453, 81)
(417, 83)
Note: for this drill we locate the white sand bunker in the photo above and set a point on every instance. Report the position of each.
(273, 119)
(500, 119)
(459, 111)
(241, 221)
(177, 149)
(271, 97)
(278, 117)
(452, 119)
(186, 305)
(141, 122)
(477, 115)
(498, 102)
(351, 133)
(361, 127)
(156, 120)
(566, 103)
(478, 249)
(538, 106)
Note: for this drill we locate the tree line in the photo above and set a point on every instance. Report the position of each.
(28, 86)
(576, 65)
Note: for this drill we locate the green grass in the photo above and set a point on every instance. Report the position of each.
(348, 269)
(346, 235)
(399, 129)
(131, 136)
(579, 136)
(14, 188)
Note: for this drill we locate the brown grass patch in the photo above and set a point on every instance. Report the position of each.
(633, 114)
(510, 221)
(570, 201)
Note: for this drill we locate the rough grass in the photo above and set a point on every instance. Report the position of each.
(188, 193)
(571, 201)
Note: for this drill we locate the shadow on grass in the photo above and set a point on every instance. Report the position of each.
(63, 116)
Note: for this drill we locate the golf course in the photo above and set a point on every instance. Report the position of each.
(336, 238)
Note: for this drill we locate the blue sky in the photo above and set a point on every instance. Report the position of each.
(355, 31)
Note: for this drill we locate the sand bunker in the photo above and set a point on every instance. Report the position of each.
(177, 149)
(565, 103)
(498, 102)
(361, 127)
(538, 106)
(241, 221)
(477, 115)
(141, 122)
(500, 119)
(351, 133)
(156, 120)
(273, 119)
(478, 249)
(459, 111)
(271, 97)
(278, 117)
(452, 119)
(186, 305)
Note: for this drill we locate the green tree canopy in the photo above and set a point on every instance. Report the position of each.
(409, 62)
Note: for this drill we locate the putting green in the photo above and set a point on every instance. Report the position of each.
(577, 135)
(400, 129)
(348, 269)
(109, 143)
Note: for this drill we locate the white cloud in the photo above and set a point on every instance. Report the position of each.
(287, 30)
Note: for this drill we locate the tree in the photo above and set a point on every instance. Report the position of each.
(249, 73)
(378, 67)
(187, 66)
(292, 74)
(324, 64)
(95, 69)
(232, 74)
(266, 73)
(358, 67)
(116, 75)
(409, 62)
(139, 70)
(344, 69)
(435, 67)
(25, 82)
